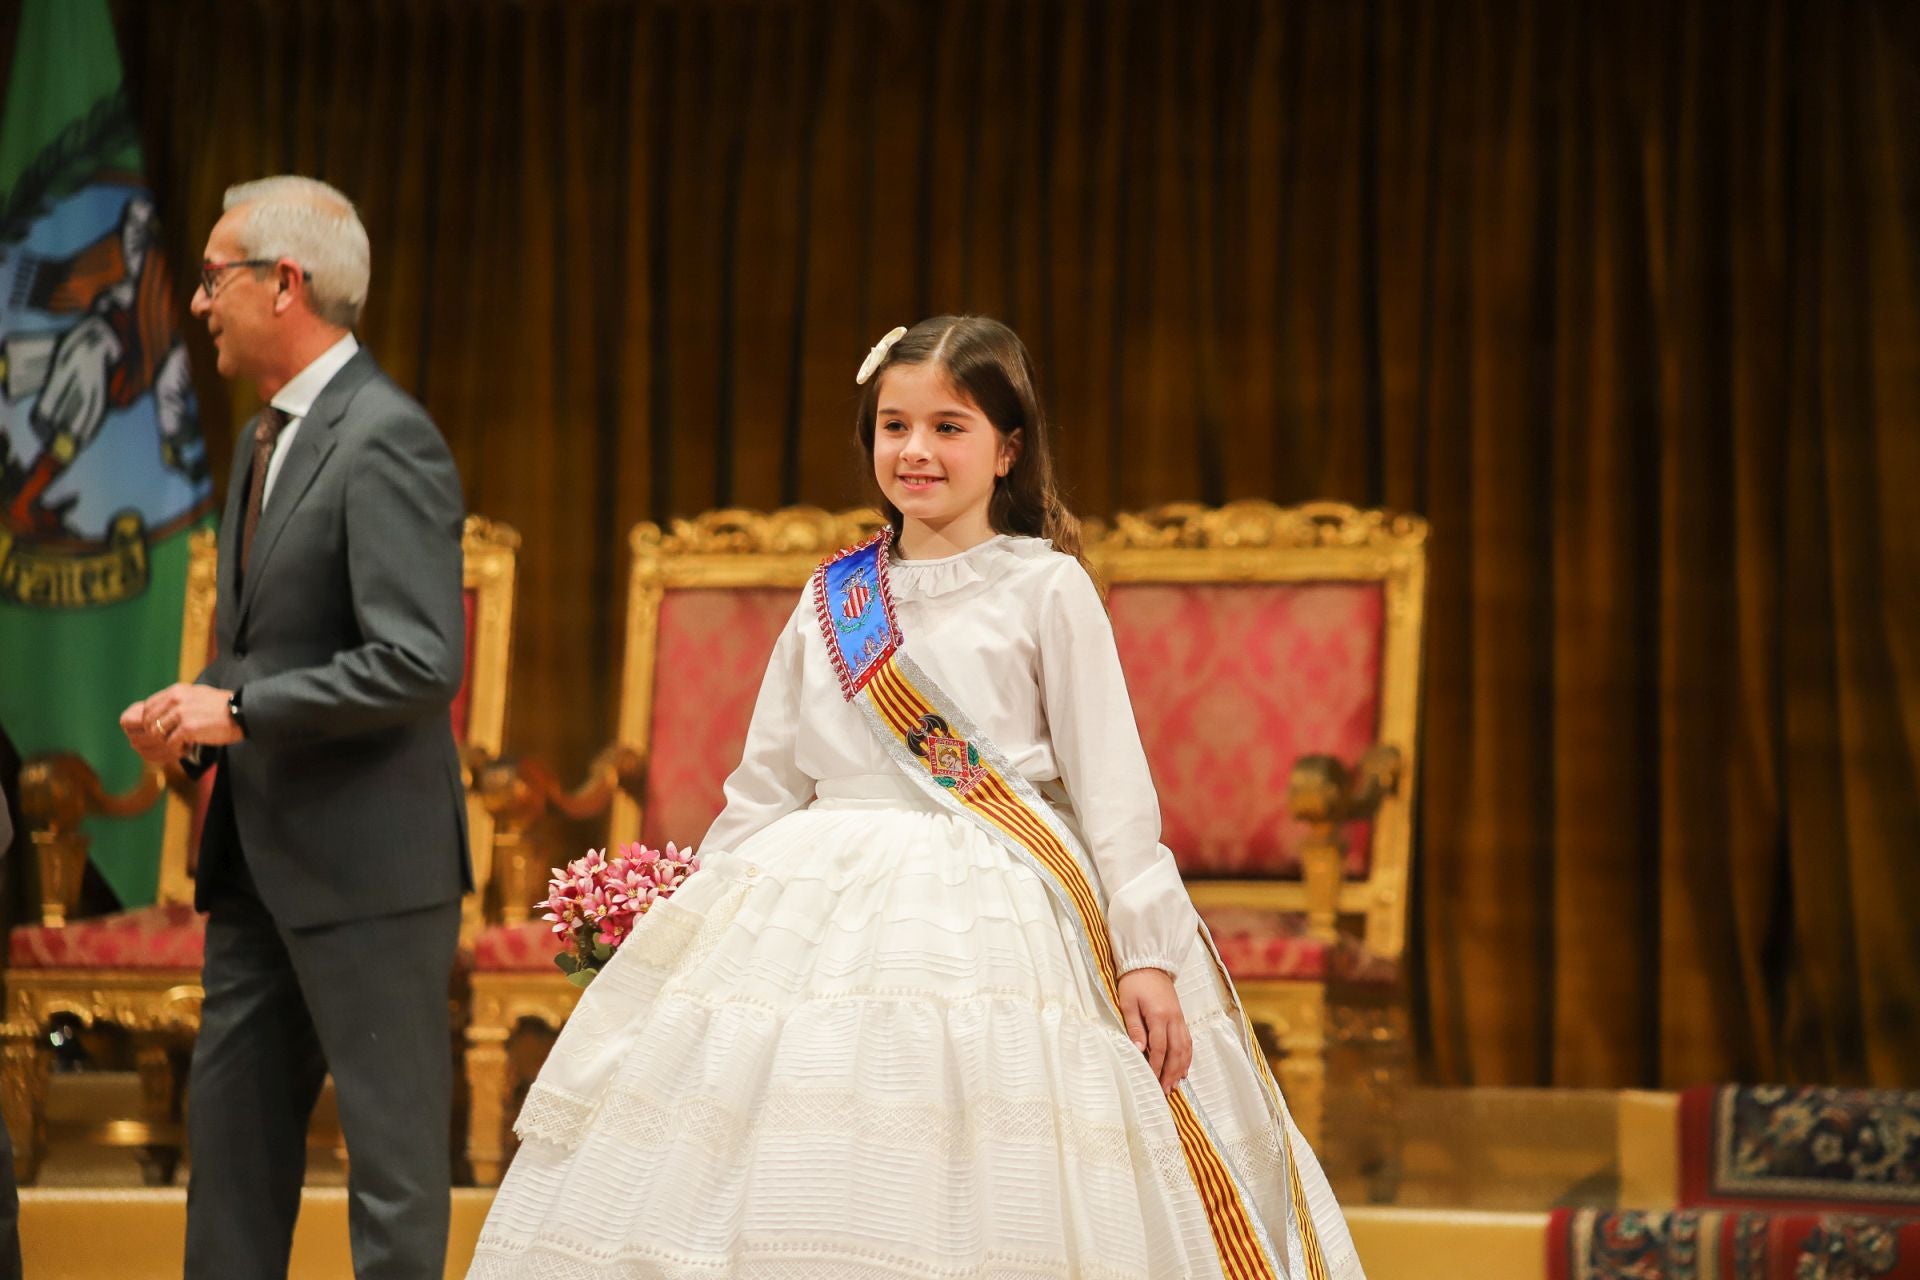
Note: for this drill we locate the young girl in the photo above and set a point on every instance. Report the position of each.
(937, 1004)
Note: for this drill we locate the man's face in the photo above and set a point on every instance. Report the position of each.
(240, 311)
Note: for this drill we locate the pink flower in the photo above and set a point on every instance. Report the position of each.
(596, 899)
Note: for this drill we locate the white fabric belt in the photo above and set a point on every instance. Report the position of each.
(894, 790)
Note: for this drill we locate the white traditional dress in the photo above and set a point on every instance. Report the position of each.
(862, 1041)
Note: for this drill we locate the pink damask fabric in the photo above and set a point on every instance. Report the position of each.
(462, 697)
(713, 651)
(1272, 945)
(1255, 945)
(527, 947)
(1231, 682)
(171, 936)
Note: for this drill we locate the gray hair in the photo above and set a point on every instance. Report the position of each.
(315, 225)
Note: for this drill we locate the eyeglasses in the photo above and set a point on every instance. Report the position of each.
(210, 272)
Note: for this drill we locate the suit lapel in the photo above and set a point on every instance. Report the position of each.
(311, 445)
(227, 597)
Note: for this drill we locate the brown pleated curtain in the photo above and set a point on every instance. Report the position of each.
(1624, 297)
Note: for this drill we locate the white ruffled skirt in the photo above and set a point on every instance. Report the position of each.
(863, 1046)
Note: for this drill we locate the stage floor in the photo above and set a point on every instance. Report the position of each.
(74, 1234)
(1483, 1169)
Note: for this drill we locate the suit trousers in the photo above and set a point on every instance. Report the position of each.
(365, 999)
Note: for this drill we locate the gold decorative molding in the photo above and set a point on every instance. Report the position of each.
(502, 1001)
(23, 1091)
(490, 552)
(480, 533)
(811, 531)
(138, 1000)
(1257, 523)
(159, 1007)
(196, 648)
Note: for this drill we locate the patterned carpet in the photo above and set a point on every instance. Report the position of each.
(1759, 1146)
(1715, 1244)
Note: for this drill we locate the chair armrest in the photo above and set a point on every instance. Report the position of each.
(1325, 795)
(59, 791)
(523, 795)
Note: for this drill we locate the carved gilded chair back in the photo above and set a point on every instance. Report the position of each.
(706, 599)
(1253, 635)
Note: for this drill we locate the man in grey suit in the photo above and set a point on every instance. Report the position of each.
(334, 852)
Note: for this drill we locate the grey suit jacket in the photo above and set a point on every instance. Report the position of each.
(347, 638)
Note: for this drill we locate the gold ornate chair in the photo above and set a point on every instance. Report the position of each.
(140, 969)
(1273, 657)
(705, 602)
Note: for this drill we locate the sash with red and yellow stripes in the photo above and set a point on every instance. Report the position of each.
(937, 746)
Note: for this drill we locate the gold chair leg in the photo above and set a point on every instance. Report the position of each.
(1373, 1040)
(488, 1083)
(23, 1096)
(157, 1057)
(1292, 1028)
(1303, 1079)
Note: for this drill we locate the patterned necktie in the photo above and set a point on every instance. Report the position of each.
(272, 421)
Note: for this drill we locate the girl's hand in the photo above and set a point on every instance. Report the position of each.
(1155, 1024)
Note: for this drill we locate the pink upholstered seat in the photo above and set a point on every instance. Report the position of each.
(1272, 945)
(527, 947)
(168, 936)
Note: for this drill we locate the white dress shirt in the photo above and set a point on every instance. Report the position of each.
(296, 401)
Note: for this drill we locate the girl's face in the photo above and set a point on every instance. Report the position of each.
(935, 454)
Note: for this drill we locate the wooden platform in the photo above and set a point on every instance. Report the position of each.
(73, 1234)
(1484, 1167)
(70, 1234)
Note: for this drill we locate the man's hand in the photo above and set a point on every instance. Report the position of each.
(1156, 1025)
(189, 714)
(145, 737)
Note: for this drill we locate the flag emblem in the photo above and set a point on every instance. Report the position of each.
(858, 598)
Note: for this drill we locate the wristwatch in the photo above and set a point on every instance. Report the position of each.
(234, 712)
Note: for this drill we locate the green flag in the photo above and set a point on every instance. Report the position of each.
(103, 468)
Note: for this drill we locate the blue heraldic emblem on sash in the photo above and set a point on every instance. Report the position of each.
(850, 595)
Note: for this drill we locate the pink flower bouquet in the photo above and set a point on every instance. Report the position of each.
(594, 903)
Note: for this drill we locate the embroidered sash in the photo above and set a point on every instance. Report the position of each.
(934, 743)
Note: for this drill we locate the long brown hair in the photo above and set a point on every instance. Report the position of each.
(987, 362)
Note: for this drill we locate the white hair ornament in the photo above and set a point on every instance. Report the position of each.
(878, 355)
